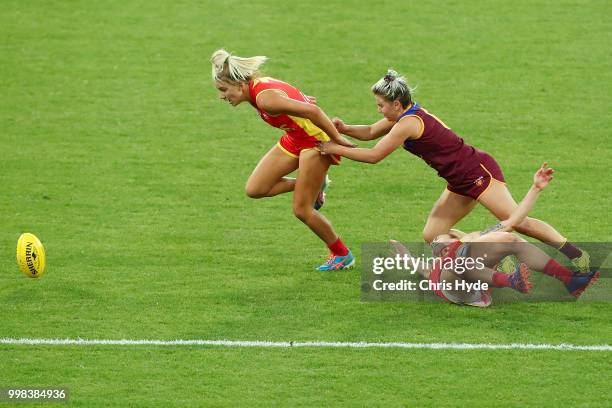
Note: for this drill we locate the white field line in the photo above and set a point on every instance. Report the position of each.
(287, 344)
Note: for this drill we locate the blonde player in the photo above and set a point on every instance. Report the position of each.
(283, 106)
(472, 175)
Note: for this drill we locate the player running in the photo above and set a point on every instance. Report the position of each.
(491, 246)
(472, 175)
(305, 124)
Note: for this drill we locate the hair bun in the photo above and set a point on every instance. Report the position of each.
(391, 76)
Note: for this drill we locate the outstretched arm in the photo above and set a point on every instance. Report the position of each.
(364, 132)
(403, 130)
(540, 180)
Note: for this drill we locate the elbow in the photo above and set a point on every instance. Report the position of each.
(374, 158)
(372, 135)
(314, 113)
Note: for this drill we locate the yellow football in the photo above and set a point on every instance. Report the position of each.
(30, 255)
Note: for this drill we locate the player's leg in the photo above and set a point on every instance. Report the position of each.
(268, 178)
(496, 245)
(312, 170)
(489, 249)
(446, 212)
(320, 200)
(498, 200)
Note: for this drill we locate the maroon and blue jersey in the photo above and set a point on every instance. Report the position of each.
(443, 149)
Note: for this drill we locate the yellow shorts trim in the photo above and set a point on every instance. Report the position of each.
(492, 179)
(288, 153)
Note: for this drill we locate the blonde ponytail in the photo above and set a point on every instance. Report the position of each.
(229, 68)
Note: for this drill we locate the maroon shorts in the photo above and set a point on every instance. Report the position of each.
(478, 180)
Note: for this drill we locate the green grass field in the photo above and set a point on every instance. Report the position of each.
(118, 154)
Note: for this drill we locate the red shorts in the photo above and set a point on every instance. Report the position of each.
(293, 146)
(478, 180)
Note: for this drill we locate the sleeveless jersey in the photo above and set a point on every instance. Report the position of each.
(440, 147)
(294, 126)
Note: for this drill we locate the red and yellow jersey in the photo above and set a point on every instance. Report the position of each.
(294, 126)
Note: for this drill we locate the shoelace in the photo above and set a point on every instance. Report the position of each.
(330, 259)
(515, 278)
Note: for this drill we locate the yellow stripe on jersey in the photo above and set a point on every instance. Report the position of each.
(265, 80)
(262, 79)
(436, 118)
(310, 128)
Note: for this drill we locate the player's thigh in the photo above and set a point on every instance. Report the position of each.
(271, 168)
(446, 212)
(312, 170)
(498, 200)
(494, 246)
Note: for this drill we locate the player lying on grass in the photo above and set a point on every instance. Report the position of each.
(305, 124)
(491, 246)
(472, 175)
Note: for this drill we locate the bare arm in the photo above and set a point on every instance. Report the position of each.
(401, 250)
(364, 132)
(403, 130)
(277, 104)
(540, 180)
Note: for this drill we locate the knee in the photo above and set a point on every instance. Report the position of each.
(302, 212)
(507, 237)
(514, 243)
(429, 234)
(253, 191)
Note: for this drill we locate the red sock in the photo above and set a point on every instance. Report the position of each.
(501, 280)
(338, 248)
(556, 270)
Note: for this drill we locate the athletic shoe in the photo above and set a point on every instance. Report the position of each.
(581, 282)
(582, 263)
(520, 278)
(321, 197)
(507, 264)
(337, 262)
